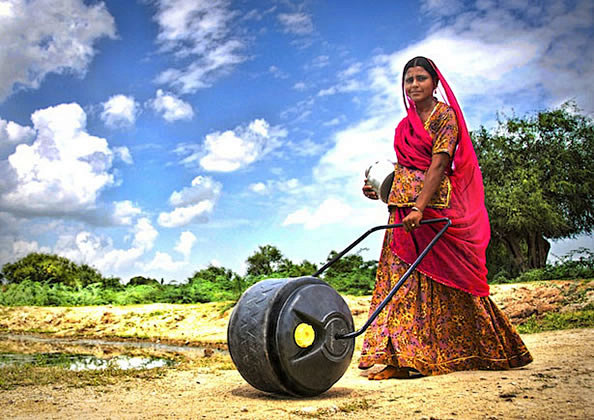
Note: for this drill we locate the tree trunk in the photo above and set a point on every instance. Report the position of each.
(514, 246)
(538, 250)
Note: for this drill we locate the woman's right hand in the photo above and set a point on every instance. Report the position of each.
(369, 192)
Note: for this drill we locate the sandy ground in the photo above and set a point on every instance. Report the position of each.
(557, 385)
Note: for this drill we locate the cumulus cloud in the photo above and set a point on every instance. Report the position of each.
(124, 154)
(120, 111)
(200, 31)
(192, 204)
(515, 49)
(163, 261)
(125, 211)
(330, 211)
(234, 149)
(258, 188)
(490, 56)
(296, 23)
(170, 107)
(62, 172)
(185, 243)
(48, 36)
(100, 252)
(11, 135)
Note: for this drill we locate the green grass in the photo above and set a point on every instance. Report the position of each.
(558, 321)
(12, 377)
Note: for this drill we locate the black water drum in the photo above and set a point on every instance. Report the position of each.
(282, 336)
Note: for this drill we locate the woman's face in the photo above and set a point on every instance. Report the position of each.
(418, 84)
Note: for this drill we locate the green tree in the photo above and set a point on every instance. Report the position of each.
(351, 274)
(140, 280)
(53, 269)
(539, 181)
(219, 282)
(267, 260)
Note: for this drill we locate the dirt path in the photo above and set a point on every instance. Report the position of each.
(557, 385)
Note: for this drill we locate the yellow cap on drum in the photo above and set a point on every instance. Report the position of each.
(304, 335)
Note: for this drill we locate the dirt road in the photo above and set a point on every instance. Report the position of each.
(557, 385)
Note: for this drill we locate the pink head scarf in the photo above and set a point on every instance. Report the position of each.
(458, 258)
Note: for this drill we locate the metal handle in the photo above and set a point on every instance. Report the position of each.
(413, 266)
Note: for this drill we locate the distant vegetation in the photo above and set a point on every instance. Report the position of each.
(49, 280)
(539, 185)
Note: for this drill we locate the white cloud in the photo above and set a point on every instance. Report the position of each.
(307, 148)
(183, 216)
(120, 111)
(351, 71)
(99, 251)
(125, 211)
(192, 204)
(232, 150)
(277, 73)
(301, 86)
(198, 30)
(296, 23)
(22, 248)
(330, 211)
(124, 154)
(144, 234)
(163, 261)
(496, 57)
(63, 171)
(342, 87)
(319, 62)
(335, 121)
(170, 107)
(185, 243)
(258, 188)
(513, 50)
(286, 187)
(48, 36)
(12, 134)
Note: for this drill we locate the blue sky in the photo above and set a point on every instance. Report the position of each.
(156, 137)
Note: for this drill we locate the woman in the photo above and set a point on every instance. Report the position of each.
(441, 320)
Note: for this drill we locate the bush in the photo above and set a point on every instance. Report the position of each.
(567, 267)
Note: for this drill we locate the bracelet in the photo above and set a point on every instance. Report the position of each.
(415, 208)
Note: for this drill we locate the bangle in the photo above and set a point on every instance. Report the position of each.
(415, 208)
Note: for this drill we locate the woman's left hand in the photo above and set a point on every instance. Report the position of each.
(412, 220)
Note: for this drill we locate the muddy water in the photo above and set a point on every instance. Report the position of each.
(87, 342)
(82, 361)
(44, 351)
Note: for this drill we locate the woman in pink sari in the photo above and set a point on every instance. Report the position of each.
(442, 319)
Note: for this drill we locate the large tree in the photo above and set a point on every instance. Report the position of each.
(539, 181)
(50, 268)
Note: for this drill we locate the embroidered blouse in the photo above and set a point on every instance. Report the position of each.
(408, 182)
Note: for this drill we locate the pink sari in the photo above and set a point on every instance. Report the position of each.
(458, 258)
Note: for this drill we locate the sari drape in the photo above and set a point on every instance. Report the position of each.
(458, 258)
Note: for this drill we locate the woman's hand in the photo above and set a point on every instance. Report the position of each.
(412, 220)
(368, 191)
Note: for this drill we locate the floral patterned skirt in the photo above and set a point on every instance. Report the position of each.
(434, 328)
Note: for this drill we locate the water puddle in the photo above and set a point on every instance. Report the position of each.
(201, 351)
(79, 353)
(78, 362)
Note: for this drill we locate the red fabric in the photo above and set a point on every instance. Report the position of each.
(458, 258)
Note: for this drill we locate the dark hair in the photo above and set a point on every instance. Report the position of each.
(421, 62)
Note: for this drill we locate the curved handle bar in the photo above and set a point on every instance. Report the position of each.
(406, 275)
